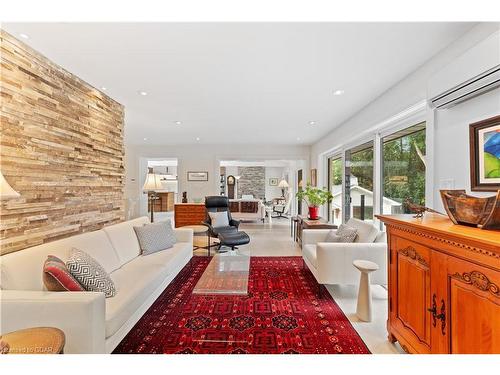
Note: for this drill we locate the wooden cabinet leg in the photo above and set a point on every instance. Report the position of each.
(391, 338)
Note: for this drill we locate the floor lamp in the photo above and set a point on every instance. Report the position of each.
(151, 185)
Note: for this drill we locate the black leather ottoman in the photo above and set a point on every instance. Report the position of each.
(233, 239)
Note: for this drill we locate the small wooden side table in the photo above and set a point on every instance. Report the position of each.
(201, 230)
(305, 223)
(36, 340)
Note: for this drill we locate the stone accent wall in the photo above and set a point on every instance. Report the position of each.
(61, 148)
(252, 181)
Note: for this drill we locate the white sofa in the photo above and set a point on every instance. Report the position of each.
(331, 263)
(249, 216)
(92, 323)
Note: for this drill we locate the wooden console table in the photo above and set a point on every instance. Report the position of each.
(444, 285)
(305, 223)
(189, 214)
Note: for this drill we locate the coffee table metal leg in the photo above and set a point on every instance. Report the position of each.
(208, 243)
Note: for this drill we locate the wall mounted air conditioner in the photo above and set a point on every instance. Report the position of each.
(474, 73)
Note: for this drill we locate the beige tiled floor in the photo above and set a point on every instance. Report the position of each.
(275, 240)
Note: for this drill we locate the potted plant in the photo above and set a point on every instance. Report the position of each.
(314, 198)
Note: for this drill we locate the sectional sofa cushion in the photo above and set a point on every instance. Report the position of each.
(30, 261)
(124, 240)
(57, 277)
(137, 280)
(89, 273)
(155, 237)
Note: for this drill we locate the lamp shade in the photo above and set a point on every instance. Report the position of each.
(6, 191)
(283, 184)
(152, 182)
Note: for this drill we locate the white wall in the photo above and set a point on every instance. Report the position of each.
(411, 90)
(273, 191)
(198, 157)
(451, 134)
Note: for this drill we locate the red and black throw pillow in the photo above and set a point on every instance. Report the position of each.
(57, 278)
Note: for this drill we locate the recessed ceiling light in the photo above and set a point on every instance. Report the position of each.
(298, 138)
(312, 122)
(143, 93)
(197, 138)
(25, 36)
(338, 92)
(178, 123)
(103, 88)
(145, 139)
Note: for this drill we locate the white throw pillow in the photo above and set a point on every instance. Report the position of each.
(219, 219)
(155, 237)
(343, 234)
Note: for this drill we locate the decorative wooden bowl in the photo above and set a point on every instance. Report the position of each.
(465, 209)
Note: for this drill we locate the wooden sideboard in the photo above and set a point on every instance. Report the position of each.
(189, 214)
(444, 285)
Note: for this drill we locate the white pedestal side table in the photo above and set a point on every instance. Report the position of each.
(364, 307)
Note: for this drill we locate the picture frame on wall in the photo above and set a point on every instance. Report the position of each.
(273, 181)
(314, 177)
(197, 176)
(485, 154)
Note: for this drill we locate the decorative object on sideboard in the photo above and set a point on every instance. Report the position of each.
(418, 209)
(151, 185)
(314, 178)
(273, 181)
(184, 197)
(474, 211)
(197, 176)
(314, 198)
(485, 154)
(283, 185)
(6, 191)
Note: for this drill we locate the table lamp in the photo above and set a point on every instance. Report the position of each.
(6, 191)
(152, 184)
(283, 185)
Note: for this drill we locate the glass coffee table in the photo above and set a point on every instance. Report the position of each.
(227, 273)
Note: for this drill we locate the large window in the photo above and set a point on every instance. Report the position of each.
(358, 200)
(403, 169)
(335, 186)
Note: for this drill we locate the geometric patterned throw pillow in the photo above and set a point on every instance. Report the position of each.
(57, 277)
(90, 273)
(155, 237)
(343, 234)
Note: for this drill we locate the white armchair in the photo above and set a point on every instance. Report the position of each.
(331, 262)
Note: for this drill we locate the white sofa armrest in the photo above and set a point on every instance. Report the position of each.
(80, 315)
(313, 236)
(184, 234)
(334, 262)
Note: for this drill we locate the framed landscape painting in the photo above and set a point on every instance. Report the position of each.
(197, 176)
(485, 154)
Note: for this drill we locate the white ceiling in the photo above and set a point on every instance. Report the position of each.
(239, 82)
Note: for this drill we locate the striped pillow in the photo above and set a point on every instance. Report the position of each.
(90, 273)
(57, 277)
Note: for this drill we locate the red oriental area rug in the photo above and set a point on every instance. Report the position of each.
(282, 313)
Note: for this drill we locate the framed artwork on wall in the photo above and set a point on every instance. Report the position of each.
(273, 182)
(314, 178)
(485, 154)
(197, 176)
